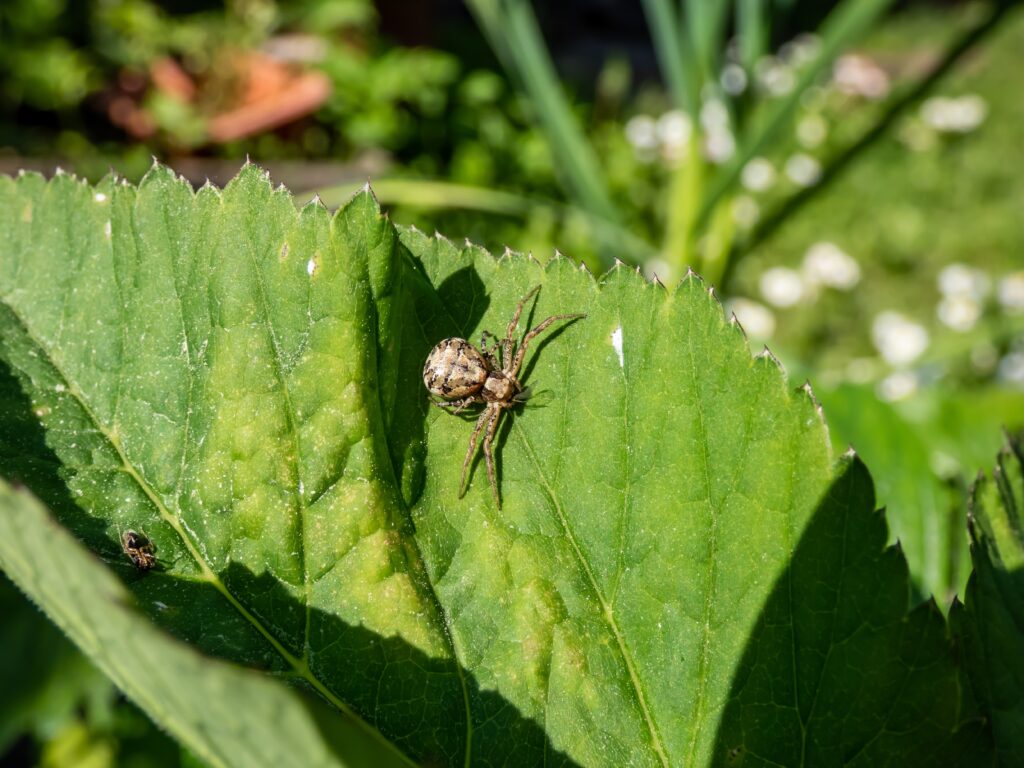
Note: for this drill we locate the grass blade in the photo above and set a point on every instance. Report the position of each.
(512, 30)
(676, 65)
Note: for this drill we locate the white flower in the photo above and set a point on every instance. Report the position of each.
(803, 170)
(756, 319)
(733, 79)
(801, 50)
(811, 131)
(674, 128)
(745, 211)
(962, 280)
(719, 145)
(773, 76)
(897, 386)
(959, 312)
(984, 357)
(758, 175)
(898, 339)
(657, 268)
(781, 286)
(642, 132)
(954, 115)
(1011, 368)
(714, 114)
(858, 75)
(827, 264)
(1011, 293)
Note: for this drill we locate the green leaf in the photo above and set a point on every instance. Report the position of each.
(242, 383)
(219, 711)
(991, 620)
(915, 499)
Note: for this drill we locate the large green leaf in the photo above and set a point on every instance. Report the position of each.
(218, 710)
(991, 620)
(241, 382)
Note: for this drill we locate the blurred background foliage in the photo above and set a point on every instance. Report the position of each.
(847, 173)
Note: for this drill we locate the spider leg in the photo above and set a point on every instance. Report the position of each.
(509, 341)
(492, 358)
(454, 406)
(492, 427)
(472, 449)
(530, 336)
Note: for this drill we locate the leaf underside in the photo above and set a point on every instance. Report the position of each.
(679, 574)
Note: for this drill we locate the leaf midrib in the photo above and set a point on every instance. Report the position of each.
(606, 609)
(300, 666)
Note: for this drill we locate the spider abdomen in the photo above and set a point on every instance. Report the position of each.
(455, 369)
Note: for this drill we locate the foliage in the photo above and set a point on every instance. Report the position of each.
(76, 59)
(680, 574)
(989, 621)
(734, 109)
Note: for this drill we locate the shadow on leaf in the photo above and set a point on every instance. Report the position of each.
(840, 669)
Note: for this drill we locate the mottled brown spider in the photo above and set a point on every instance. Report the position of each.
(139, 550)
(463, 375)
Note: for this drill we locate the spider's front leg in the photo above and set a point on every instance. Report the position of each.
(472, 448)
(493, 354)
(531, 335)
(509, 341)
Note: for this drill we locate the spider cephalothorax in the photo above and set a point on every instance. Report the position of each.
(463, 375)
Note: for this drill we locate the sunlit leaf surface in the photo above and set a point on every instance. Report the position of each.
(680, 573)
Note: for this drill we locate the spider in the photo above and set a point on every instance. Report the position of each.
(139, 550)
(463, 375)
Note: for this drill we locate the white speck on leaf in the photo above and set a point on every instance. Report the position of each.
(310, 267)
(617, 345)
(59, 388)
(99, 197)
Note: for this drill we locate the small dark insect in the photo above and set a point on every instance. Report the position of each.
(463, 375)
(139, 550)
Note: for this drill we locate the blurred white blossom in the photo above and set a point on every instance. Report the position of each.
(959, 312)
(756, 319)
(1011, 368)
(781, 286)
(745, 211)
(803, 170)
(719, 143)
(733, 79)
(758, 175)
(811, 130)
(801, 50)
(984, 357)
(899, 340)
(954, 115)
(774, 76)
(674, 129)
(642, 133)
(657, 268)
(857, 75)
(962, 280)
(1011, 293)
(897, 386)
(827, 264)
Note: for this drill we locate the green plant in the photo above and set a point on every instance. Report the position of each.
(681, 572)
(731, 105)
